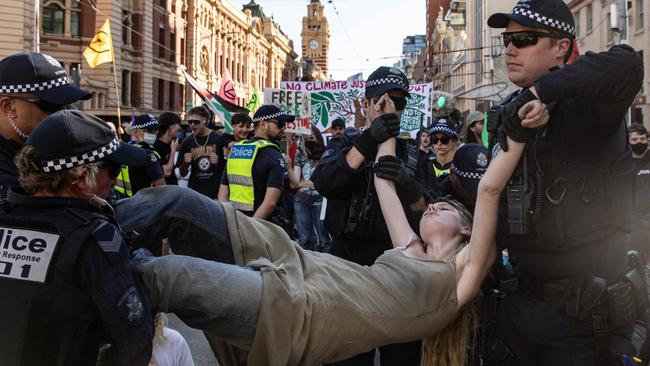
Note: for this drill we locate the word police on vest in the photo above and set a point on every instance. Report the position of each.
(26, 254)
(242, 152)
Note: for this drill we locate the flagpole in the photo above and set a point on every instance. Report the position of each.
(117, 91)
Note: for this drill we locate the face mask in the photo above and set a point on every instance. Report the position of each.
(149, 138)
(639, 148)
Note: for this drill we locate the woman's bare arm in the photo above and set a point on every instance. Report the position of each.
(391, 207)
(474, 261)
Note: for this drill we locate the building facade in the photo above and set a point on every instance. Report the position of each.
(154, 41)
(315, 37)
(603, 23)
(411, 47)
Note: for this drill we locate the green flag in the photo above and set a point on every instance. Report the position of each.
(484, 134)
(254, 101)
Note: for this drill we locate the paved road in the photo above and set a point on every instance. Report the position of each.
(201, 352)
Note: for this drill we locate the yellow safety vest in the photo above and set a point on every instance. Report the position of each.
(440, 172)
(240, 172)
(123, 180)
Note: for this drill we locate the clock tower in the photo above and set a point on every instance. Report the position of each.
(315, 36)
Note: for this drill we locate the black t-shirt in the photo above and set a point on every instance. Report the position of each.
(268, 171)
(8, 171)
(204, 177)
(143, 176)
(164, 150)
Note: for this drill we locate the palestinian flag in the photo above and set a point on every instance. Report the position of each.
(217, 108)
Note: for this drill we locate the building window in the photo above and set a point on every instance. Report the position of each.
(172, 45)
(53, 19)
(126, 87)
(182, 51)
(75, 16)
(576, 16)
(640, 22)
(161, 43)
(590, 18)
(610, 31)
(75, 73)
(161, 94)
(162, 3)
(126, 27)
(172, 96)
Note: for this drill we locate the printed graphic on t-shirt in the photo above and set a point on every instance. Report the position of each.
(201, 155)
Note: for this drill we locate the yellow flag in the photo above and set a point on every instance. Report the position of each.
(100, 50)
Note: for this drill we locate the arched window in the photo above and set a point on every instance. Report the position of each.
(53, 17)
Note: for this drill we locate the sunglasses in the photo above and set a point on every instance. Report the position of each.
(114, 168)
(194, 122)
(526, 38)
(279, 123)
(29, 100)
(444, 140)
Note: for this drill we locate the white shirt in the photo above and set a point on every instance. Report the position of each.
(172, 351)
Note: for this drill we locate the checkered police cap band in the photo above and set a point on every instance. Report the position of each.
(463, 174)
(29, 88)
(142, 126)
(85, 158)
(270, 116)
(550, 22)
(443, 128)
(387, 80)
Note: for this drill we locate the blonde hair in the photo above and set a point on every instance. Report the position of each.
(450, 346)
(33, 179)
(160, 322)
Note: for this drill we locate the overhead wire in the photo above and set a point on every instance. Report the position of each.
(338, 15)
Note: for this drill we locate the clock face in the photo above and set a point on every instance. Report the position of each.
(313, 44)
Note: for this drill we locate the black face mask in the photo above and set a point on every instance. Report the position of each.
(639, 148)
(314, 149)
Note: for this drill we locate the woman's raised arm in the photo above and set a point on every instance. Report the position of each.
(391, 207)
(474, 261)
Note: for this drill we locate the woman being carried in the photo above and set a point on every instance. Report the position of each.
(290, 306)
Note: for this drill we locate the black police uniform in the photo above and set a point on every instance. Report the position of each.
(67, 286)
(8, 173)
(144, 176)
(560, 305)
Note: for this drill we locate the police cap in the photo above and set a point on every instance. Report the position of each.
(385, 79)
(70, 138)
(549, 14)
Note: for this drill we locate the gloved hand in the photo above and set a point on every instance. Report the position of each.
(509, 123)
(391, 168)
(381, 129)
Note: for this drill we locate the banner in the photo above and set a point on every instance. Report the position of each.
(292, 102)
(331, 99)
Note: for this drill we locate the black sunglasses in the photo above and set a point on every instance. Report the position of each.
(526, 38)
(114, 168)
(193, 122)
(279, 123)
(444, 140)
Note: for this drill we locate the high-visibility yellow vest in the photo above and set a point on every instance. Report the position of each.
(240, 172)
(440, 172)
(123, 180)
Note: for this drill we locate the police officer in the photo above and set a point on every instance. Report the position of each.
(144, 130)
(254, 174)
(563, 220)
(469, 164)
(67, 286)
(444, 140)
(345, 177)
(32, 86)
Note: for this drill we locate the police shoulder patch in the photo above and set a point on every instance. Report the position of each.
(130, 307)
(109, 239)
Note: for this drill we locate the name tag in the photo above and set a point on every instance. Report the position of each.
(242, 152)
(26, 254)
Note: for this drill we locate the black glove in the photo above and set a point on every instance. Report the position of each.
(381, 129)
(508, 122)
(391, 168)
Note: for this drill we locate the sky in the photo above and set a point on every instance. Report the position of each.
(366, 34)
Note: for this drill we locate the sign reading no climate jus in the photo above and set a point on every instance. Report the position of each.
(26, 254)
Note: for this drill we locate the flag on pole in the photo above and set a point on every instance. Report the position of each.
(254, 101)
(219, 110)
(100, 50)
(227, 90)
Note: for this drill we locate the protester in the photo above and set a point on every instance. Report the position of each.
(79, 288)
(338, 127)
(254, 174)
(199, 151)
(169, 346)
(444, 139)
(567, 236)
(640, 240)
(312, 234)
(167, 144)
(473, 133)
(358, 229)
(32, 86)
(144, 131)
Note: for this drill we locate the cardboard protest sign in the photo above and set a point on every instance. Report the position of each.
(331, 99)
(292, 102)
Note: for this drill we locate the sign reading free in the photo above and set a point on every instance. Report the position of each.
(293, 102)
